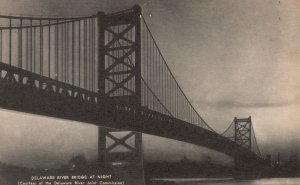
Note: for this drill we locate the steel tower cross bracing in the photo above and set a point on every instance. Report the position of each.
(119, 77)
(242, 127)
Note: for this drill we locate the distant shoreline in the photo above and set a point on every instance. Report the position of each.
(191, 179)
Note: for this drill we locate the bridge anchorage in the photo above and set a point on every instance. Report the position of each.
(107, 70)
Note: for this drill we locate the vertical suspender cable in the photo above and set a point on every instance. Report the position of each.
(150, 69)
(79, 52)
(144, 62)
(20, 45)
(34, 49)
(30, 58)
(62, 51)
(27, 49)
(41, 48)
(10, 41)
(73, 42)
(91, 59)
(85, 53)
(55, 50)
(156, 76)
(1, 45)
(159, 80)
(131, 83)
(88, 53)
(49, 50)
(93, 55)
(119, 91)
(89, 73)
(65, 52)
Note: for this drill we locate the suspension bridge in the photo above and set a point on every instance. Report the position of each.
(107, 70)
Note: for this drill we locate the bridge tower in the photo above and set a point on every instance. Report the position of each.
(242, 136)
(242, 132)
(120, 80)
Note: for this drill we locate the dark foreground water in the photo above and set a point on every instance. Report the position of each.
(227, 181)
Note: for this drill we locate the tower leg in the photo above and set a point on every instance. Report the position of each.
(138, 147)
(101, 144)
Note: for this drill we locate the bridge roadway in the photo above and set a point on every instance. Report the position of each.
(29, 92)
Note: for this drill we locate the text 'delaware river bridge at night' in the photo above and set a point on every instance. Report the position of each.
(107, 70)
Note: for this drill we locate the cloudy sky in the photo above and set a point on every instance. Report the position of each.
(232, 58)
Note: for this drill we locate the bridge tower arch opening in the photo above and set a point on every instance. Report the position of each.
(119, 79)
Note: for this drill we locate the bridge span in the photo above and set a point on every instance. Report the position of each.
(106, 70)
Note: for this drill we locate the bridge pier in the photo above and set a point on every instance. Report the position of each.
(125, 146)
(243, 170)
(120, 154)
(249, 170)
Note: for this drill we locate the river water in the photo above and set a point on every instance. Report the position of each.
(227, 181)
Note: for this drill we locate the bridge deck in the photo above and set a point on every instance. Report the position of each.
(25, 91)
